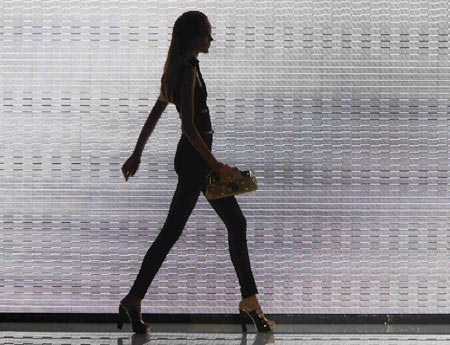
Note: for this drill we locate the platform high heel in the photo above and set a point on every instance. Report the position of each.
(261, 323)
(135, 318)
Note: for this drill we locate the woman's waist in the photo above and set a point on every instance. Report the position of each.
(207, 136)
(202, 124)
(185, 145)
(201, 110)
(203, 132)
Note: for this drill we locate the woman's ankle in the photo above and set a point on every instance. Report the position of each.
(133, 299)
(250, 301)
(250, 298)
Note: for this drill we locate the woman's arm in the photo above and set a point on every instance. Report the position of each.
(187, 88)
(152, 120)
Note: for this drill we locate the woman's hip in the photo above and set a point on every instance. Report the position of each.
(189, 162)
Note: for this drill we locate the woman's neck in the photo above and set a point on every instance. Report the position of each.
(195, 54)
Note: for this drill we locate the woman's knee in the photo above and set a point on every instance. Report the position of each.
(181, 207)
(237, 224)
(172, 229)
(243, 222)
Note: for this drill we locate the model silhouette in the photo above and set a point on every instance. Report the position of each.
(182, 84)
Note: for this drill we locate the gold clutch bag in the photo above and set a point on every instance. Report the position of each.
(216, 189)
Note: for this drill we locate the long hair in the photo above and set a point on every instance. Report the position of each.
(186, 34)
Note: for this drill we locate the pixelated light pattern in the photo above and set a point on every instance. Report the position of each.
(341, 109)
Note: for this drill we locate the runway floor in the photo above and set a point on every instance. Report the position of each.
(226, 334)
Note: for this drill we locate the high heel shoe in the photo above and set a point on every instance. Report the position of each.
(135, 318)
(261, 323)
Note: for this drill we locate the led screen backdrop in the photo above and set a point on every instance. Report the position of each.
(341, 109)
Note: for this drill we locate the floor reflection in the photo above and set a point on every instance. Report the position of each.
(125, 338)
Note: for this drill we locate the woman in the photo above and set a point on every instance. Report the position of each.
(182, 84)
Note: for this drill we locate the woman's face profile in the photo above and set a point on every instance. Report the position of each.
(205, 41)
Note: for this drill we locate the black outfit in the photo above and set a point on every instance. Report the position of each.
(192, 169)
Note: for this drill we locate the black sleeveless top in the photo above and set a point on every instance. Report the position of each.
(201, 112)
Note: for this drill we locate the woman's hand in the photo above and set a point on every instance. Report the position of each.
(131, 165)
(226, 172)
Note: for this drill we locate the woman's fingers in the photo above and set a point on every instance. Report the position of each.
(130, 167)
(127, 175)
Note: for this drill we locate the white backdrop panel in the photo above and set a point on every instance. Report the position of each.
(340, 108)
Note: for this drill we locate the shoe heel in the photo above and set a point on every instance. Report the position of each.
(243, 318)
(260, 323)
(135, 318)
(122, 317)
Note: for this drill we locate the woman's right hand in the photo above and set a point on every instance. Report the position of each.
(226, 172)
(131, 166)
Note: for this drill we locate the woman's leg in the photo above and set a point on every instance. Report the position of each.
(229, 211)
(183, 202)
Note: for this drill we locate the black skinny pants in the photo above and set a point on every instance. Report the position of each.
(191, 170)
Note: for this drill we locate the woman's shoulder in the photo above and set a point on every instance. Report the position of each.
(185, 72)
(187, 66)
(187, 69)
